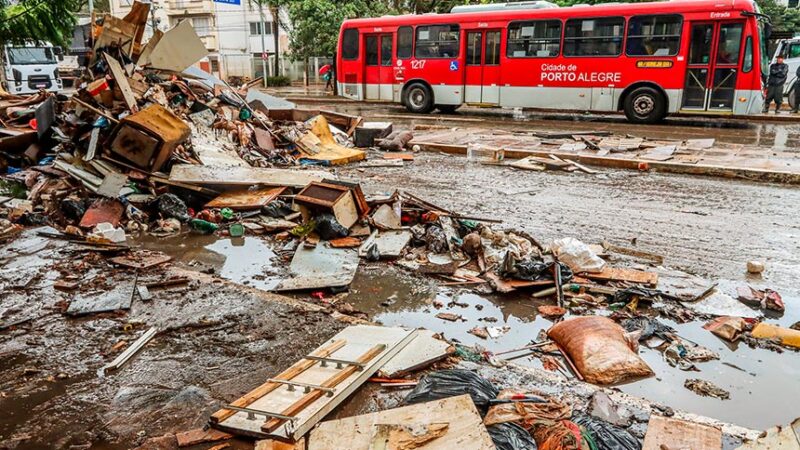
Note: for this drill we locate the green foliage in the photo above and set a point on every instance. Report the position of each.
(315, 23)
(278, 81)
(38, 20)
(783, 19)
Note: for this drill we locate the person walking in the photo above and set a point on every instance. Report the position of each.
(777, 78)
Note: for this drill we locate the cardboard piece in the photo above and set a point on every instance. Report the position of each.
(673, 433)
(319, 145)
(464, 428)
(177, 49)
(122, 82)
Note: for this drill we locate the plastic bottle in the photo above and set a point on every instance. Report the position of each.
(203, 226)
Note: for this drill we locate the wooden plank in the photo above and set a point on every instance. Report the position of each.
(331, 382)
(360, 338)
(673, 433)
(293, 371)
(246, 199)
(122, 82)
(401, 156)
(465, 430)
(244, 176)
(423, 351)
(621, 274)
(200, 436)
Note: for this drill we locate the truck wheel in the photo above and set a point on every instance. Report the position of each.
(418, 98)
(645, 105)
(791, 99)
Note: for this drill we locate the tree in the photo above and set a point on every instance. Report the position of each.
(315, 23)
(783, 19)
(38, 20)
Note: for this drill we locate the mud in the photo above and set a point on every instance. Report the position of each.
(217, 340)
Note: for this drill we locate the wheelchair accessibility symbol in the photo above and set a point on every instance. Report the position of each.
(453, 66)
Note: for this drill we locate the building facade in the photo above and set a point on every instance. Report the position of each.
(230, 32)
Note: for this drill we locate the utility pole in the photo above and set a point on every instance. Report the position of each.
(263, 43)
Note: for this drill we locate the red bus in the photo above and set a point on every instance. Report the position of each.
(646, 59)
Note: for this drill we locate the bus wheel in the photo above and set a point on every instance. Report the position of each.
(644, 105)
(419, 98)
(447, 109)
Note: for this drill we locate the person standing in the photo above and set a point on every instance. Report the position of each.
(796, 108)
(777, 78)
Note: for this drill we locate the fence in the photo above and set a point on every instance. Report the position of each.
(251, 67)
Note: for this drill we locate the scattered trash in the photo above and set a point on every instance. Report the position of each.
(706, 389)
(755, 267)
(673, 433)
(451, 383)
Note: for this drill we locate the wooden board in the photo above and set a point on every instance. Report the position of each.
(423, 351)
(402, 156)
(200, 436)
(620, 274)
(465, 430)
(678, 434)
(243, 200)
(358, 340)
(122, 82)
(243, 176)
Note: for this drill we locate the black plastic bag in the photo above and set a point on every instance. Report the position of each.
(172, 207)
(532, 269)
(605, 435)
(73, 209)
(373, 254)
(451, 383)
(510, 436)
(329, 228)
(278, 209)
(650, 327)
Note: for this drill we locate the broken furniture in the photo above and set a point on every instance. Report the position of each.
(326, 197)
(148, 138)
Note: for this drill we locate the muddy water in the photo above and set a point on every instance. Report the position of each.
(761, 382)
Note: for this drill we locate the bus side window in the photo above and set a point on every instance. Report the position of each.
(436, 41)
(654, 35)
(372, 50)
(594, 37)
(541, 38)
(350, 44)
(405, 42)
(747, 63)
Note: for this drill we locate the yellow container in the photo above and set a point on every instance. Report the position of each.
(787, 336)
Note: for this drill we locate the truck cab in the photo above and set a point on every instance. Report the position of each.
(29, 68)
(790, 50)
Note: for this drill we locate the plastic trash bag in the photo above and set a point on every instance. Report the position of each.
(561, 435)
(436, 239)
(577, 255)
(329, 228)
(526, 414)
(606, 436)
(450, 383)
(510, 436)
(73, 209)
(599, 350)
(172, 207)
(277, 209)
(373, 254)
(649, 327)
(532, 269)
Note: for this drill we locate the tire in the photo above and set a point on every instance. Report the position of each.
(791, 97)
(645, 105)
(418, 98)
(447, 109)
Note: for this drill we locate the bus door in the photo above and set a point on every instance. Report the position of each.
(714, 50)
(378, 67)
(482, 74)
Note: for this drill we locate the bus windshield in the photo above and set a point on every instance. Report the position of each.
(762, 40)
(31, 55)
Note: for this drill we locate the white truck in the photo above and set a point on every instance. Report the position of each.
(790, 50)
(31, 67)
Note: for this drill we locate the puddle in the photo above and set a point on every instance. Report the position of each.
(761, 382)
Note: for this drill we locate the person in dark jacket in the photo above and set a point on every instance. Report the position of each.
(777, 78)
(797, 91)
